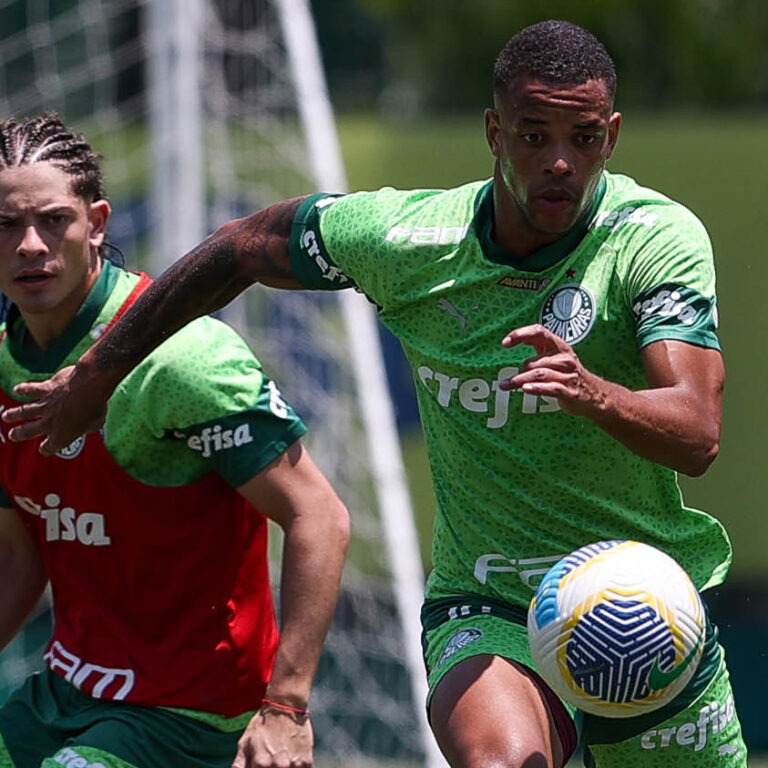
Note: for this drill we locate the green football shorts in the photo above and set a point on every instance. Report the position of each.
(698, 729)
(48, 723)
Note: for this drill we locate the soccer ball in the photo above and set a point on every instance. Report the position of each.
(616, 628)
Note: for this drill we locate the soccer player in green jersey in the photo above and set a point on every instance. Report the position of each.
(532, 455)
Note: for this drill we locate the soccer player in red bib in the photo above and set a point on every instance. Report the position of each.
(151, 532)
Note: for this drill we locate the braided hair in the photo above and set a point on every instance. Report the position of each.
(45, 138)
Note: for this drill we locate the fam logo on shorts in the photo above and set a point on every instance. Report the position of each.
(73, 449)
(569, 312)
(460, 640)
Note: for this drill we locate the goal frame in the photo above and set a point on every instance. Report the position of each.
(175, 73)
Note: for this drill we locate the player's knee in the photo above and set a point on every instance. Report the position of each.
(485, 757)
(481, 746)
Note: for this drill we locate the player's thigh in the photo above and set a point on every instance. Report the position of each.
(707, 734)
(486, 707)
(488, 711)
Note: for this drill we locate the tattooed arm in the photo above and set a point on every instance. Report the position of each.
(250, 250)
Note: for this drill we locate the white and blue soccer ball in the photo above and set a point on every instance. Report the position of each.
(616, 628)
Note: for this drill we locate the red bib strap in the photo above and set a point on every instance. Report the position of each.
(144, 282)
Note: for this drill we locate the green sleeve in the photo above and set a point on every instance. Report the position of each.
(378, 241)
(670, 282)
(238, 446)
(311, 263)
(200, 401)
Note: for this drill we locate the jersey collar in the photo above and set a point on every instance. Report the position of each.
(86, 316)
(541, 259)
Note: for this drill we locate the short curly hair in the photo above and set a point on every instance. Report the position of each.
(554, 52)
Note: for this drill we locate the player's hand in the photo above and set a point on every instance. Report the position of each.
(555, 371)
(62, 409)
(275, 740)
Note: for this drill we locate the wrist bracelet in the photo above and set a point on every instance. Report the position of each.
(284, 708)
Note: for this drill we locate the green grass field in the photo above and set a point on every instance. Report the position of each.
(715, 164)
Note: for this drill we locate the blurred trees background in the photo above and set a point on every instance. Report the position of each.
(433, 55)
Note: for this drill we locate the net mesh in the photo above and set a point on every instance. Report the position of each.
(87, 59)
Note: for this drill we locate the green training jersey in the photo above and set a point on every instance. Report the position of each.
(519, 483)
(199, 402)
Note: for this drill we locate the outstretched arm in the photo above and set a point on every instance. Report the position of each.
(294, 493)
(675, 422)
(242, 252)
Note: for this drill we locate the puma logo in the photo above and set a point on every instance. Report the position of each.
(446, 305)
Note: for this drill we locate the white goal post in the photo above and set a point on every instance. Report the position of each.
(205, 110)
(177, 33)
(370, 375)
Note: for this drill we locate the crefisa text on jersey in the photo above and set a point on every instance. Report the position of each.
(216, 438)
(475, 395)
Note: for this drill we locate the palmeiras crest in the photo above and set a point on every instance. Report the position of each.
(569, 312)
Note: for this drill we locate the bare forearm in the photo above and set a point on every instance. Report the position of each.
(293, 492)
(309, 589)
(23, 574)
(16, 607)
(665, 425)
(675, 421)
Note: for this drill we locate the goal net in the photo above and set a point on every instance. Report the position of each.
(200, 109)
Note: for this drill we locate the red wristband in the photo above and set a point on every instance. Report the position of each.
(285, 707)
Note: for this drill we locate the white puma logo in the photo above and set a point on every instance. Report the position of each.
(446, 305)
